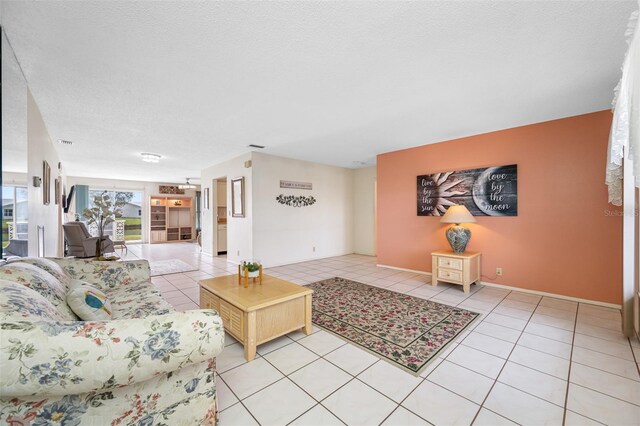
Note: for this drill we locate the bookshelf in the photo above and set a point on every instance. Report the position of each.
(171, 219)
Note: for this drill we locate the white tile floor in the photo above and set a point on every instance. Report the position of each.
(528, 360)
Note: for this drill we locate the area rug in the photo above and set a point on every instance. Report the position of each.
(405, 330)
(173, 266)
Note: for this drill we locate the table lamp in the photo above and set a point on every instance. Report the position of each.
(458, 236)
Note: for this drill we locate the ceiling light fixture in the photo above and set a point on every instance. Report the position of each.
(256, 146)
(64, 142)
(187, 185)
(150, 158)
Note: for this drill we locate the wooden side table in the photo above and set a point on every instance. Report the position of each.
(456, 268)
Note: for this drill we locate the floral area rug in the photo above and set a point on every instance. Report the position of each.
(404, 330)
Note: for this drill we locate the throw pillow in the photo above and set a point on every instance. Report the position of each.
(20, 303)
(48, 265)
(41, 281)
(89, 303)
(73, 283)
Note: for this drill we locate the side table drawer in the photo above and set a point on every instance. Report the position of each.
(446, 262)
(209, 301)
(449, 275)
(233, 319)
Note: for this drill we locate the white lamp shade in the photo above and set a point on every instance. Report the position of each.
(457, 214)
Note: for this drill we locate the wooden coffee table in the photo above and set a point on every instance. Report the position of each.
(258, 313)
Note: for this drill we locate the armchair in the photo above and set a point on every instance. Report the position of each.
(80, 243)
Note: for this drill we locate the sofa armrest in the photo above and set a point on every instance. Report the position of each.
(62, 358)
(106, 275)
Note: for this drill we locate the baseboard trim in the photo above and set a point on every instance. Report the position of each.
(524, 290)
(557, 296)
(404, 269)
(310, 259)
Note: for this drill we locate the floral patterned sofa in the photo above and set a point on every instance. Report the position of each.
(148, 365)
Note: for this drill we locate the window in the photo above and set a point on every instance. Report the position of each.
(131, 211)
(14, 215)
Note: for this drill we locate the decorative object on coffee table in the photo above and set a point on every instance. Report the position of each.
(458, 236)
(404, 330)
(249, 269)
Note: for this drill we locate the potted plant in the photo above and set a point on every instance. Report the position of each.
(104, 211)
(252, 266)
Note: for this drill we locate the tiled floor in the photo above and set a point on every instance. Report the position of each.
(529, 360)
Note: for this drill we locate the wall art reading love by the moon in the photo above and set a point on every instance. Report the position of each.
(491, 191)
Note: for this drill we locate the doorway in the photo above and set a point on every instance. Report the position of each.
(221, 215)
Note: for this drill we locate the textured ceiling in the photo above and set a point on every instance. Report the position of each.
(331, 82)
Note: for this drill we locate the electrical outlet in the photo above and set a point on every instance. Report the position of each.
(314, 249)
(238, 252)
(499, 272)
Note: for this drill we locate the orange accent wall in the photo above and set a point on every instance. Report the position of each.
(566, 238)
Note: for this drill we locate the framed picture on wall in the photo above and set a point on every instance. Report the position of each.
(205, 199)
(56, 191)
(237, 197)
(46, 183)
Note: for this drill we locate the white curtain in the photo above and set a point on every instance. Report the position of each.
(625, 128)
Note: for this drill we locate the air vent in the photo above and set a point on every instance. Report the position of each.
(256, 146)
(64, 142)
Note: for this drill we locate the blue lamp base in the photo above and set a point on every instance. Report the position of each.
(458, 237)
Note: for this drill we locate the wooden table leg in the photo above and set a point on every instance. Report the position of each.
(250, 336)
(434, 271)
(308, 328)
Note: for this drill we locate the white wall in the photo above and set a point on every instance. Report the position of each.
(148, 188)
(239, 229)
(340, 222)
(284, 234)
(40, 148)
(10, 178)
(364, 181)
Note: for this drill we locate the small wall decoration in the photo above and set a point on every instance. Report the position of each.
(205, 199)
(170, 189)
(491, 191)
(46, 183)
(56, 191)
(295, 201)
(295, 185)
(237, 197)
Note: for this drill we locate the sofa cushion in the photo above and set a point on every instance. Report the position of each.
(89, 303)
(137, 301)
(40, 281)
(20, 303)
(50, 266)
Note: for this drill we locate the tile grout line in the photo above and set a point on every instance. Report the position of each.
(574, 332)
(503, 366)
(239, 401)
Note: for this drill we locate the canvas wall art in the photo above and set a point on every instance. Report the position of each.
(489, 191)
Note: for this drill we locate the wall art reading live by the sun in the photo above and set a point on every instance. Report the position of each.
(491, 191)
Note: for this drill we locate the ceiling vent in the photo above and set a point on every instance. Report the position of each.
(256, 146)
(64, 142)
